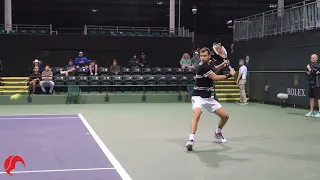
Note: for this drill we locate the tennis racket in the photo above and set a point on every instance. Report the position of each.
(221, 51)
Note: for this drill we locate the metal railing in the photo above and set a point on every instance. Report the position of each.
(293, 18)
(96, 30)
(124, 30)
(26, 29)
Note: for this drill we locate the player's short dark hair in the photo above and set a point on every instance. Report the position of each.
(205, 49)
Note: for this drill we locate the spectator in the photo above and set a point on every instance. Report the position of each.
(143, 61)
(195, 60)
(47, 80)
(114, 68)
(34, 79)
(93, 67)
(69, 69)
(241, 81)
(134, 62)
(198, 49)
(185, 61)
(36, 63)
(81, 61)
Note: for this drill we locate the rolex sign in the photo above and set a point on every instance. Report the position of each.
(296, 92)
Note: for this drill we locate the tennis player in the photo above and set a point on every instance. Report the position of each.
(202, 97)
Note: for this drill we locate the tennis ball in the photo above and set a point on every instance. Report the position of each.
(15, 97)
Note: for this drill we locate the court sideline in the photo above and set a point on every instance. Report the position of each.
(265, 141)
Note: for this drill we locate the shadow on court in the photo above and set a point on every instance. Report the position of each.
(261, 151)
(297, 113)
(210, 154)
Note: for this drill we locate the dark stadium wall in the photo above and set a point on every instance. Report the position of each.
(18, 51)
(266, 86)
(206, 40)
(281, 52)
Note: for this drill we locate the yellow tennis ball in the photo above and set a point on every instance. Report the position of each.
(15, 97)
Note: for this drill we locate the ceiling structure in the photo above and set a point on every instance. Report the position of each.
(210, 19)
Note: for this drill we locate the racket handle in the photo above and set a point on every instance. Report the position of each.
(230, 67)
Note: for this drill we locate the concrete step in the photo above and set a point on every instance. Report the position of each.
(14, 87)
(13, 83)
(219, 90)
(225, 83)
(227, 86)
(11, 92)
(229, 99)
(3, 79)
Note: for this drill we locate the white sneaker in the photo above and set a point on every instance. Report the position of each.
(219, 138)
(310, 114)
(190, 145)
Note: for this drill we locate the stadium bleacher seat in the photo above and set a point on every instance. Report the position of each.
(189, 71)
(128, 80)
(82, 71)
(104, 71)
(162, 80)
(184, 80)
(83, 81)
(2, 31)
(146, 71)
(125, 70)
(94, 82)
(57, 70)
(167, 71)
(135, 70)
(71, 80)
(117, 80)
(156, 70)
(154, 79)
(177, 71)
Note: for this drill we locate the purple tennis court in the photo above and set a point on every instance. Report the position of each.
(56, 147)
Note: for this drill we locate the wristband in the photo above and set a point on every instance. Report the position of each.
(228, 76)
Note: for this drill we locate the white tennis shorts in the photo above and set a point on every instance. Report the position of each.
(210, 104)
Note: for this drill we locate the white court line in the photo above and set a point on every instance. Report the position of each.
(55, 118)
(124, 175)
(59, 170)
(17, 115)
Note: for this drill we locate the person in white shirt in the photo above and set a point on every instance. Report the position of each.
(241, 81)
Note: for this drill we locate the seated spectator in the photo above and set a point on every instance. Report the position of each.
(81, 61)
(93, 67)
(134, 62)
(115, 68)
(195, 60)
(185, 61)
(47, 80)
(143, 61)
(36, 63)
(69, 69)
(34, 79)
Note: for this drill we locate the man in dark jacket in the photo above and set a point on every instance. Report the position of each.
(313, 73)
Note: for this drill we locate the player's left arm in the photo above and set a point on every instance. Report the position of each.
(218, 68)
(216, 77)
(222, 65)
